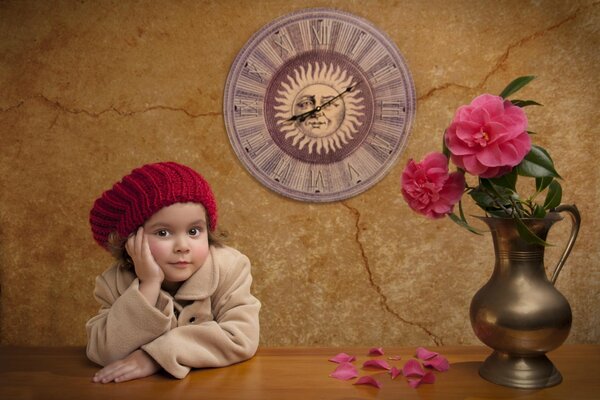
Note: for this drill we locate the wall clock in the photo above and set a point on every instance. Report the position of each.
(318, 105)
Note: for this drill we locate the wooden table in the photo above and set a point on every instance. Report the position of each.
(286, 374)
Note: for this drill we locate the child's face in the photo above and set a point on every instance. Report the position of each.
(178, 239)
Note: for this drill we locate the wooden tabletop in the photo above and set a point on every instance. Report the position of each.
(286, 373)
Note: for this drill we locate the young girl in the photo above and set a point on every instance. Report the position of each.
(176, 298)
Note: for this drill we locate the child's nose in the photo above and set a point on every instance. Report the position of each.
(181, 245)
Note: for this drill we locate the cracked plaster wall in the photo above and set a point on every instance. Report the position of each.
(89, 90)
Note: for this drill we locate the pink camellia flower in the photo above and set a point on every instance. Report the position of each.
(488, 137)
(429, 189)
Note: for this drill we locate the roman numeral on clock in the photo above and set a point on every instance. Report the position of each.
(383, 71)
(246, 108)
(316, 181)
(284, 43)
(255, 72)
(321, 30)
(391, 109)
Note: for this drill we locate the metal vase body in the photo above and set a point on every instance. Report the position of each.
(519, 312)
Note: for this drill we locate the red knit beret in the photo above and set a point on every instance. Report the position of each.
(145, 191)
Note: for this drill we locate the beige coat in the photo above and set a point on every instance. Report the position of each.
(212, 321)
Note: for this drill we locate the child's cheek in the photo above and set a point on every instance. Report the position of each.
(201, 252)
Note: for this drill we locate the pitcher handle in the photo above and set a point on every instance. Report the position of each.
(575, 223)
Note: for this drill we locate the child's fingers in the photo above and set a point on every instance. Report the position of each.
(145, 249)
(129, 374)
(139, 238)
(130, 245)
(110, 372)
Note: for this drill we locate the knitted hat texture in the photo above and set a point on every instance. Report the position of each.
(144, 192)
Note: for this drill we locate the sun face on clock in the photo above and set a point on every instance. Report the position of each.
(311, 86)
(326, 121)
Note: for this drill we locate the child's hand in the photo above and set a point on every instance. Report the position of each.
(146, 268)
(136, 365)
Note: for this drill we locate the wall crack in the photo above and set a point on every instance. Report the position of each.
(504, 56)
(382, 297)
(96, 114)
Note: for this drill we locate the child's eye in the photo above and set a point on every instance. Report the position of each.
(162, 233)
(195, 232)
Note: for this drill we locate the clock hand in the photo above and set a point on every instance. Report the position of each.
(307, 114)
(348, 89)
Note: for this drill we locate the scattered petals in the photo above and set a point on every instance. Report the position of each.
(439, 363)
(342, 358)
(368, 380)
(424, 354)
(413, 368)
(429, 377)
(381, 364)
(376, 351)
(344, 371)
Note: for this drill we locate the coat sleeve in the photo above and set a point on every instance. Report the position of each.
(233, 335)
(125, 321)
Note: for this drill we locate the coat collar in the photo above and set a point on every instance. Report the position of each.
(199, 286)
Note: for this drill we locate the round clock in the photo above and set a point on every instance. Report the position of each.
(318, 105)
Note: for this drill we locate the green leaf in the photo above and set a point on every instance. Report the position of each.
(445, 148)
(525, 103)
(532, 132)
(483, 199)
(488, 198)
(460, 210)
(543, 150)
(516, 85)
(527, 235)
(538, 212)
(554, 195)
(542, 182)
(499, 192)
(463, 223)
(498, 212)
(508, 181)
(537, 163)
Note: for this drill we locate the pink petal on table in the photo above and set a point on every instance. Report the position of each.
(414, 382)
(395, 372)
(438, 362)
(376, 351)
(368, 380)
(342, 358)
(413, 368)
(344, 371)
(424, 354)
(395, 358)
(427, 378)
(382, 364)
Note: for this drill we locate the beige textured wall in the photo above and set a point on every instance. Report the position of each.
(91, 89)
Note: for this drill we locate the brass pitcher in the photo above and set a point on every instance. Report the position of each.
(518, 312)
